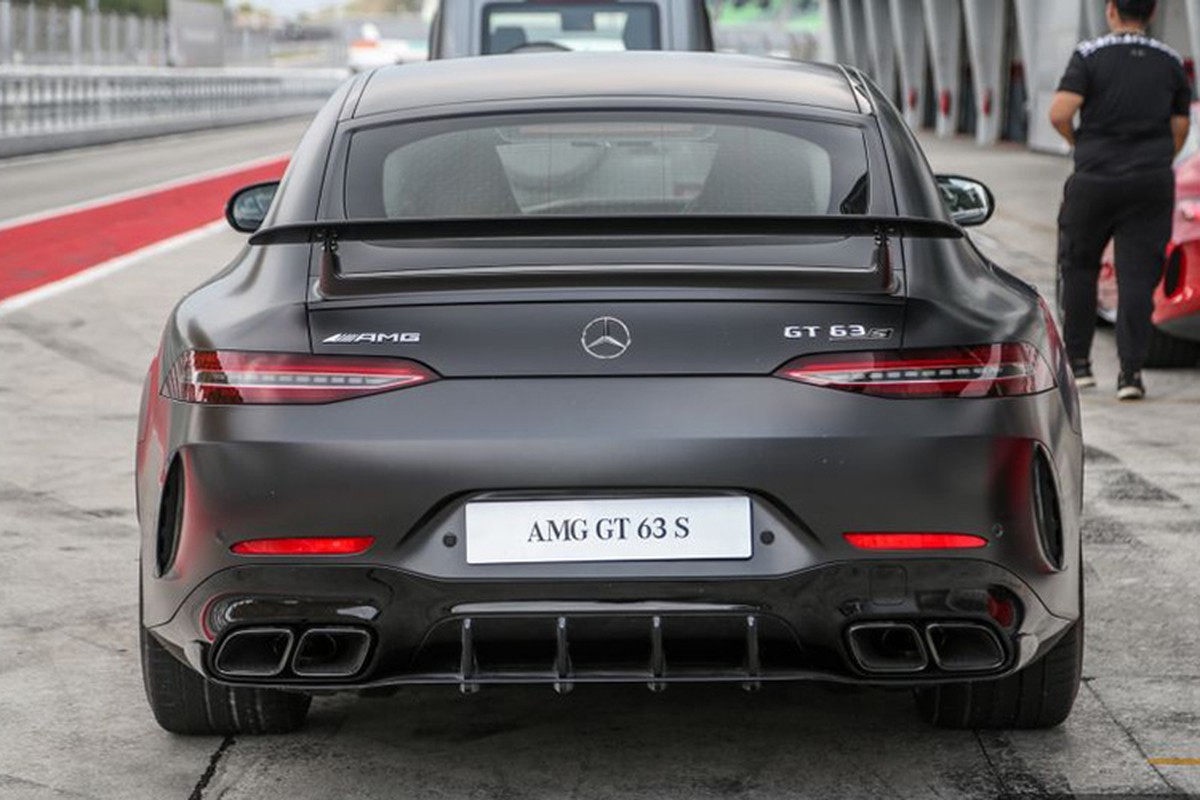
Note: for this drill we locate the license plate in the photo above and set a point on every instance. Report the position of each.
(644, 529)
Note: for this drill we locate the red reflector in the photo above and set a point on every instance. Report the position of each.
(235, 378)
(308, 546)
(1002, 610)
(915, 541)
(994, 370)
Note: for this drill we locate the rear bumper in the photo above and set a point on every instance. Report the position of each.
(1178, 313)
(424, 631)
(816, 464)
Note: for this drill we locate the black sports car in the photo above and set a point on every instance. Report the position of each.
(585, 368)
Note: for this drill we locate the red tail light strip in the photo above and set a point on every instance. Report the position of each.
(915, 541)
(234, 378)
(305, 546)
(998, 370)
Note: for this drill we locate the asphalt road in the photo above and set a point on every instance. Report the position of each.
(73, 722)
(36, 184)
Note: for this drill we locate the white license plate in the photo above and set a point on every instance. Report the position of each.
(645, 529)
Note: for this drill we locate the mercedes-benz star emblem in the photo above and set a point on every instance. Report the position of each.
(606, 338)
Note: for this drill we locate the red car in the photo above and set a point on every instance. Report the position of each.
(1176, 338)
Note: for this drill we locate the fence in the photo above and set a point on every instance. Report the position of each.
(39, 34)
(49, 108)
(42, 35)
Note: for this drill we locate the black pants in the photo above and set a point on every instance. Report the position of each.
(1136, 212)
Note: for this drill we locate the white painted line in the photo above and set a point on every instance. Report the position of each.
(106, 268)
(141, 191)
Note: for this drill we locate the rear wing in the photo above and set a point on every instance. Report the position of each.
(574, 231)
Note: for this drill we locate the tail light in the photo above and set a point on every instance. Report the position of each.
(996, 370)
(1054, 335)
(234, 378)
(1189, 208)
(916, 541)
(305, 546)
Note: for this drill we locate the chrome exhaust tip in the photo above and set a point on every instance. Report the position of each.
(964, 647)
(253, 652)
(331, 652)
(887, 647)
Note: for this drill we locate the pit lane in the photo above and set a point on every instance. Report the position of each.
(73, 722)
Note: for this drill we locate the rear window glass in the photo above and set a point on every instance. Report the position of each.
(526, 27)
(607, 164)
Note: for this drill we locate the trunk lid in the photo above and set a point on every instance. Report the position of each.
(592, 337)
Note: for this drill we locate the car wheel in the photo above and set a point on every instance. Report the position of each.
(1168, 351)
(1039, 696)
(186, 702)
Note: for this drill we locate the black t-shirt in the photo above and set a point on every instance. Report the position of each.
(1131, 85)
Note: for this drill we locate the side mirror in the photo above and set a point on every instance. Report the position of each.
(968, 201)
(247, 208)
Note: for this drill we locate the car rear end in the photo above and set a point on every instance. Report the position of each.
(601, 457)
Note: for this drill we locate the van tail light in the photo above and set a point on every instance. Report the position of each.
(995, 370)
(214, 377)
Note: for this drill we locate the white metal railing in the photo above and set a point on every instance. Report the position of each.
(47, 108)
(46, 34)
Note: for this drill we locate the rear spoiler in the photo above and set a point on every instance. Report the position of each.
(575, 231)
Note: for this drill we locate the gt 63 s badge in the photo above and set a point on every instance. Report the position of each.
(842, 332)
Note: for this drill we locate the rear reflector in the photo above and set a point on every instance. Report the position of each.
(305, 546)
(1002, 609)
(996, 370)
(915, 541)
(235, 378)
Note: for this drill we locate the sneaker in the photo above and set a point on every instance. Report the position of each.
(1082, 369)
(1129, 386)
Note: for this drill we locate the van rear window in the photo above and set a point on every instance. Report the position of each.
(529, 27)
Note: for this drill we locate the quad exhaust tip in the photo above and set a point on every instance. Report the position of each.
(254, 652)
(900, 647)
(266, 652)
(331, 652)
(892, 647)
(964, 646)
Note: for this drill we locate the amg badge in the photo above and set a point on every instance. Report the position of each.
(372, 338)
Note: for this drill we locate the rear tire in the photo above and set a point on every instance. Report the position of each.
(1039, 696)
(1168, 351)
(186, 702)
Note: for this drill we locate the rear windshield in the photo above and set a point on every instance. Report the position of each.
(607, 164)
(525, 27)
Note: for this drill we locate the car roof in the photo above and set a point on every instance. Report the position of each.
(590, 75)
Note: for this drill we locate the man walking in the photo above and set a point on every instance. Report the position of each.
(1132, 96)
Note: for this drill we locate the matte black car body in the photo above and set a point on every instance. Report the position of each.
(694, 409)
